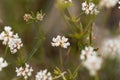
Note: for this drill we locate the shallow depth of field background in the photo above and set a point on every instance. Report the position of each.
(11, 14)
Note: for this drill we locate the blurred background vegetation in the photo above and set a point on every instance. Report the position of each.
(12, 12)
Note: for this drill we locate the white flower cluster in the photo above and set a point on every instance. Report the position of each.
(108, 3)
(3, 63)
(12, 40)
(91, 60)
(43, 75)
(39, 16)
(60, 41)
(93, 64)
(89, 8)
(88, 52)
(25, 72)
(110, 47)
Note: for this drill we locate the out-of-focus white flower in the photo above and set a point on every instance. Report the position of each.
(67, 1)
(43, 75)
(110, 47)
(89, 8)
(60, 41)
(119, 5)
(91, 60)
(12, 40)
(3, 63)
(27, 17)
(88, 52)
(108, 3)
(24, 71)
(93, 64)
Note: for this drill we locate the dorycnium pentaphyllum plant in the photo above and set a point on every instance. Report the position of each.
(79, 40)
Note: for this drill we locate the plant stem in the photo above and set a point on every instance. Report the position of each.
(78, 67)
(60, 75)
(90, 35)
(79, 15)
(63, 77)
(36, 47)
(6, 49)
(61, 61)
(96, 77)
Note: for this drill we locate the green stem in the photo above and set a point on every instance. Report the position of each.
(67, 13)
(96, 77)
(36, 47)
(90, 36)
(79, 15)
(21, 58)
(38, 44)
(61, 61)
(63, 77)
(78, 67)
(90, 22)
(6, 49)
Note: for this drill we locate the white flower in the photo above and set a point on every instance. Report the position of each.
(15, 44)
(110, 47)
(60, 41)
(89, 8)
(12, 40)
(43, 75)
(24, 71)
(27, 17)
(93, 64)
(108, 3)
(91, 60)
(6, 35)
(88, 52)
(3, 63)
(40, 16)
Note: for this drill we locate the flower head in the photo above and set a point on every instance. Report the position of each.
(93, 64)
(6, 35)
(91, 60)
(40, 16)
(108, 3)
(27, 17)
(15, 44)
(60, 41)
(24, 71)
(43, 75)
(87, 52)
(3, 63)
(89, 8)
(12, 40)
(110, 47)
